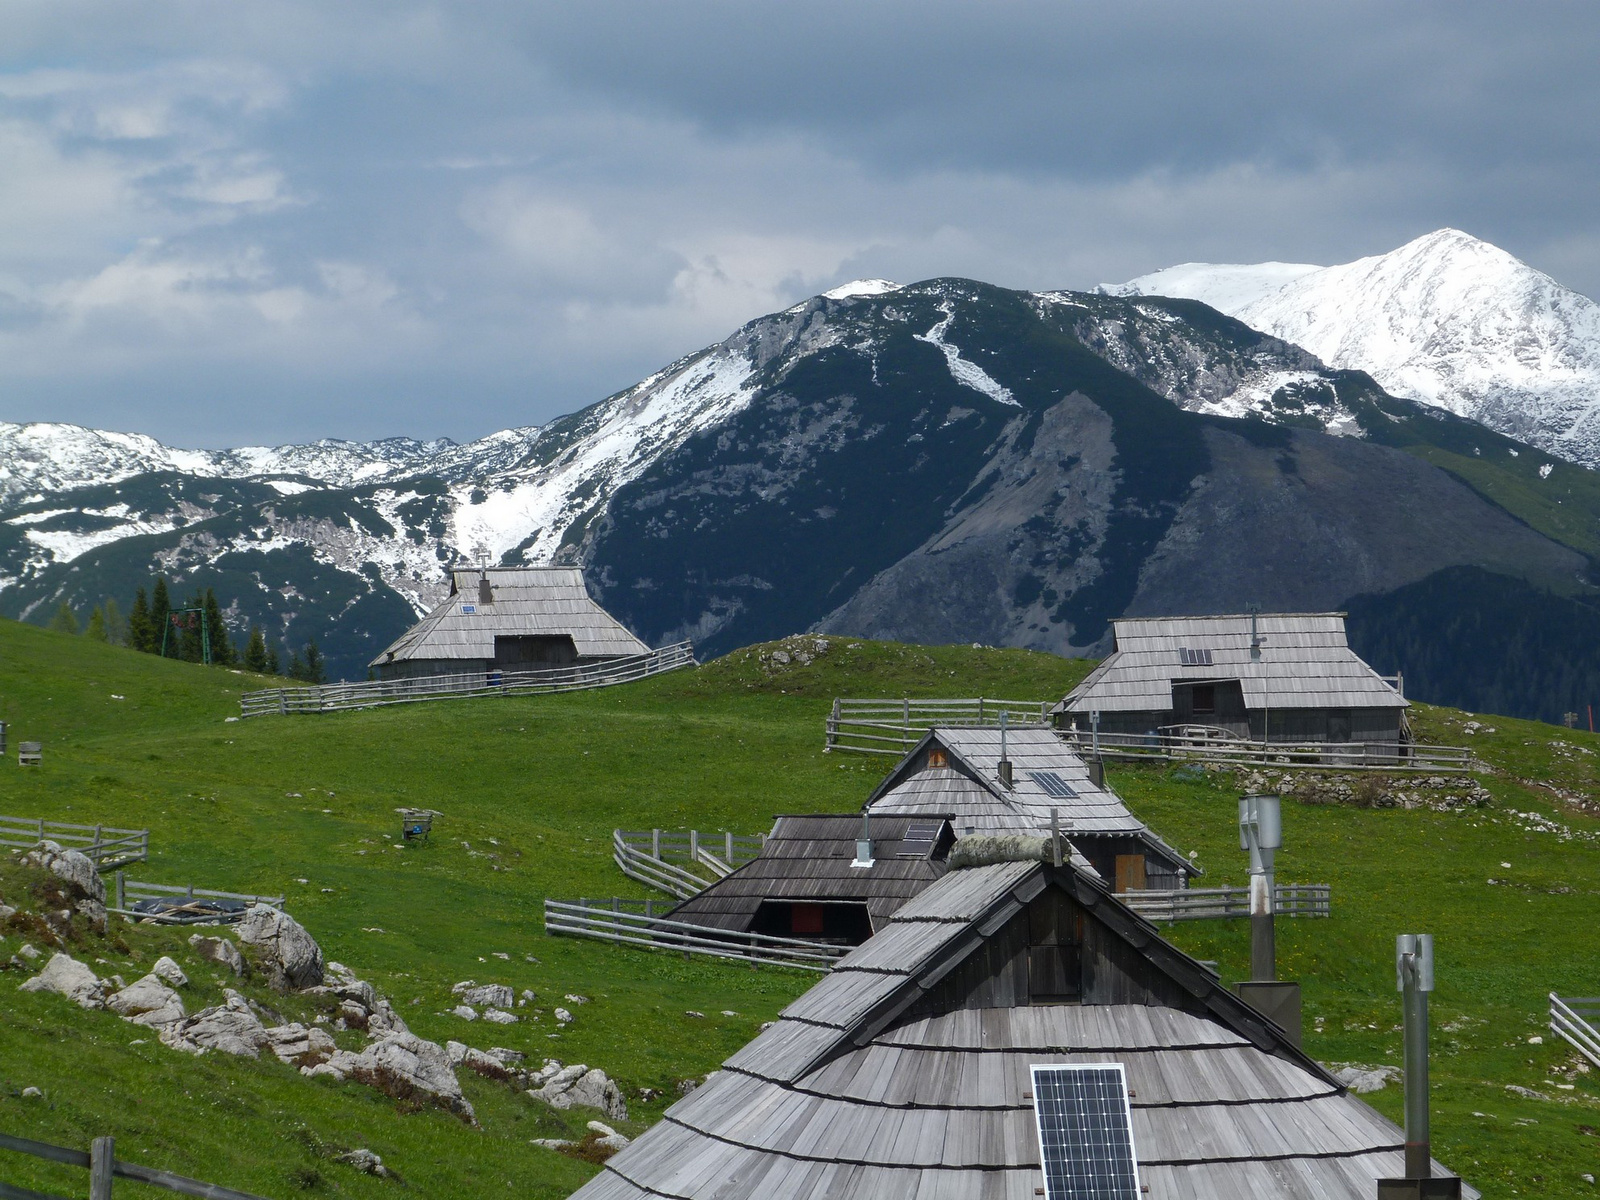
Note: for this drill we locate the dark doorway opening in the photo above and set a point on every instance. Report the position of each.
(530, 652)
(845, 921)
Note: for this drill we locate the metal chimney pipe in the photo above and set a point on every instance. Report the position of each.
(1055, 835)
(1413, 961)
(864, 842)
(1004, 769)
(1261, 833)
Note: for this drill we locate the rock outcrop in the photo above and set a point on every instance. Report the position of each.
(577, 1086)
(404, 1066)
(218, 950)
(289, 955)
(68, 977)
(148, 1001)
(81, 882)
(231, 1028)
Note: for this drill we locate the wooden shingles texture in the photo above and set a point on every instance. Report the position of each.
(1304, 661)
(526, 601)
(841, 1098)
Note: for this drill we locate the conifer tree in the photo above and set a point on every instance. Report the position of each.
(116, 627)
(160, 611)
(255, 653)
(316, 669)
(297, 669)
(221, 644)
(97, 625)
(65, 620)
(192, 644)
(139, 624)
(274, 664)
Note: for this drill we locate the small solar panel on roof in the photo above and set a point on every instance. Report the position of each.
(1053, 784)
(1085, 1132)
(919, 838)
(1195, 658)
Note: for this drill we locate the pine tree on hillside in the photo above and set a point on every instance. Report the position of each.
(97, 625)
(297, 669)
(139, 625)
(65, 620)
(274, 663)
(255, 652)
(222, 653)
(160, 610)
(116, 627)
(316, 669)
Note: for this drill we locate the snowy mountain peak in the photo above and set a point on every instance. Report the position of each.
(860, 287)
(1447, 319)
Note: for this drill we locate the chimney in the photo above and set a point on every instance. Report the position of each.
(864, 842)
(485, 592)
(1413, 965)
(1005, 763)
(1261, 833)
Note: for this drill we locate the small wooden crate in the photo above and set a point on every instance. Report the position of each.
(416, 823)
(30, 754)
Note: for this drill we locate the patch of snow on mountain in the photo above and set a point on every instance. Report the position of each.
(861, 287)
(964, 370)
(286, 487)
(1226, 287)
(64, 545)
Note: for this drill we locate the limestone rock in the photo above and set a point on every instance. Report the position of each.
(606, 1137)
(67, 976)
(366, 1162)
(289, 954)
(169, 972)
(579, 1086)
(76, 870)
(232, 1028)
(401, 1065)
(301, 1045)
(218, 950)
(465, 1013)
(498, 1016)
(485, 1063)
(492, 995)
(148, 1001)
(1362, 1079)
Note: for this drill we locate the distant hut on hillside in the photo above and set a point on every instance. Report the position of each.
(508, 619)
(1276, 677)
(956, 770)
(908, 1070)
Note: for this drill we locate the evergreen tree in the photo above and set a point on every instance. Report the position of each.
(139, 625)
(221, 644)
(97, 625)
(316, 669)
(160, 611)
(65, 620)
(274, 665)
(297, 669)
(255, 653)
(116, 627)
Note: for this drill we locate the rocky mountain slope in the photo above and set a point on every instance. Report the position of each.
(1447, 319)
(946, 461)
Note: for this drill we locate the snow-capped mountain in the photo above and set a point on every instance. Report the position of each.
(1447, 319)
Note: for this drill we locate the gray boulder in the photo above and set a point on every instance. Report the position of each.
(578, 1086)
(218, 950)
(231, 1028)
(68, 977)
(606, 1137)
(479, 995)
(401, 1065)
(301, 1045)
(76, 870)
(289, 955)
(1363, 1079)
(169, 972)
(148, 1001)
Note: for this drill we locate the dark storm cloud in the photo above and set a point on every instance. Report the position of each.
(287, 220)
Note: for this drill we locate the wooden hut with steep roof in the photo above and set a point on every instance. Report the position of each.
(905, 1074)
(509, 619)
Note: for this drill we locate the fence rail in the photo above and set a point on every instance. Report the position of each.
(894, 726)
(681, 864)
(109, 847)
(610, 921)
(189, 903)
(1199, 904)
(103, 1167)
(1573, 1019)
(1334, 756)
(333, 697)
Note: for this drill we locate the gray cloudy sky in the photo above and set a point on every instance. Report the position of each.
(230, 223)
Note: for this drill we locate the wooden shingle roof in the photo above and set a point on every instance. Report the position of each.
(1302, 661)
(853, 1093)
(524, 601)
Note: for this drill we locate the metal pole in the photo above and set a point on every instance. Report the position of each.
(101, 1157)
(1414, 970)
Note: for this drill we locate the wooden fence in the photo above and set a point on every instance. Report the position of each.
(109, 848)
(1327, 756)
(681, 864)
(104, 1167)
(336, 696)
(633, 923)
(1573, 1019)
(894, 726)
(185, 911)
(1199, 904)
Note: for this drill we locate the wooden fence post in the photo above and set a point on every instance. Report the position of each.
(101, 1156)
(694, 845)
(122, 890)
(655, 843)
(729, 845)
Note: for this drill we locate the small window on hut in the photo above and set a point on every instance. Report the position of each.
(1205, 699)
(938, 758)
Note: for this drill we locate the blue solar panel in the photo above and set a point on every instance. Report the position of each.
(1053, 784)
(1085, 1132)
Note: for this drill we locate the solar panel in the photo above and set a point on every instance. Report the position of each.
(919, 838)
(1085, 1132)
(1195, 658)
(1053, 784)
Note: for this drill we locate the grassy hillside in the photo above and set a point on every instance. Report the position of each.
(530, 789)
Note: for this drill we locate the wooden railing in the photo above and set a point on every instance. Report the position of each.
(612, 921)
(1199, 904)
(894, 726)
(332, 697)
(110, 848)
(1573, 1019)
(681, 864)
(104, 1167)
(1327, 756)
(128, 892)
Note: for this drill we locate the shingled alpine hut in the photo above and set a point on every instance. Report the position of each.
(1273, 677)
(906, 1073)
(508, 619)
